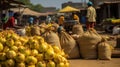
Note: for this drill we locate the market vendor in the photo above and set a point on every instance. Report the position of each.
(91, 15)
(11, 21)
(4, 19)
(61, 20)
(75, 17)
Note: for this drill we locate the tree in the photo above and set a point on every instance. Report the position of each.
(37, 7)
(26, 2)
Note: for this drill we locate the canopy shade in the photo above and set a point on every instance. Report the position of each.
(27, 11)
(69, 9)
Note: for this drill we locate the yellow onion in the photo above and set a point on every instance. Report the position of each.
(2, 40)
(34, 52)
(2, 56)
(34, 44)
(51, 64)
(49, 54)
(43, 47)
(21, 49)
(18, 43)
(31, 60)
(15, 37)
(10, 54)
(56, 49)
(27, 52)
(14, 48)
(31, 66)
(6, 49)
(20, 65)
(41, 64)
(9, 63)
(66, 64)
(1, 47)
(40, 57)
(23, 40)
(57, 58)
(61, 64)
(20, 57)
(10, 42)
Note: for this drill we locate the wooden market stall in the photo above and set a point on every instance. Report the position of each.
(7, 4)
(109, 10)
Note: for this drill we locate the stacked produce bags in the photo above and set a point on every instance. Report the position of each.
(94, 46)
(86, 44)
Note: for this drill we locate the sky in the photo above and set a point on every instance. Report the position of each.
(53, 3)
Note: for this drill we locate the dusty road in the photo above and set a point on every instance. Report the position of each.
(115, 62)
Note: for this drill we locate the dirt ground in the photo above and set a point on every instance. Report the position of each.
(115, 62)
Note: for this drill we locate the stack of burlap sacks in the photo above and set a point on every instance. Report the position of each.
(87, 45)
(92, 45)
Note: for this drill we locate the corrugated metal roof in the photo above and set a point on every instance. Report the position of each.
(109, 2)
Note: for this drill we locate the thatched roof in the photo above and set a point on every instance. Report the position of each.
(27, 11)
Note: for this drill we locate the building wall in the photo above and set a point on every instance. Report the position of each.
(96, 2)
(49, 9)
(107, 10)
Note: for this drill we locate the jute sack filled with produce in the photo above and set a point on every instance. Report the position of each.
(104, 50)
(35, 30)
(77, 29)
(55, 27)
(87, 43)
(52, 38)
(69, 45)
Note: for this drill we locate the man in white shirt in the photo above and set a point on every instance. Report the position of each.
(91, 15)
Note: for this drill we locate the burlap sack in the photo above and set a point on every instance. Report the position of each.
(52, 38)
(75, 54)
(104, 51)
(55, 27)
(35, 30)
(69, 45)
(77, 29)
(87, 43)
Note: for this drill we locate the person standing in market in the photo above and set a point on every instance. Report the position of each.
(11, 21)
(91, 16)
(4, 19)
(31, 20)
(61, 20)
(48, 19)
(76, 17)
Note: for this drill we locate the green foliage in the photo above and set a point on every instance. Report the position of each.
(37, 7)
(27, 2)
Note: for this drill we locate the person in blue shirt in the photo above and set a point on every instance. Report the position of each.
(31, 20)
